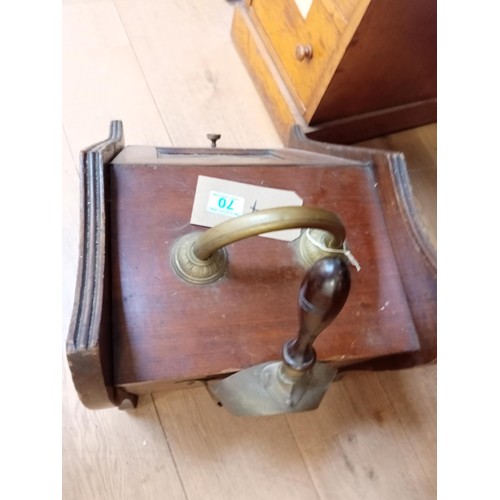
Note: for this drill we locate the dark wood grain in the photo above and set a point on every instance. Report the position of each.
(411, 246)
(390, 61)
(322, 295)
(167, 330)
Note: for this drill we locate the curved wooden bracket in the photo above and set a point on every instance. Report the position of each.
(89, 342)
(414, 253)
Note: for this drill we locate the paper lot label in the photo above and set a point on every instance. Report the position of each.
(217, 200)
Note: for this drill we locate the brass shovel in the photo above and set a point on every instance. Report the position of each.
(297, 382)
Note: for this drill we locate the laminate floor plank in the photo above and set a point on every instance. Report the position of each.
(102, 80)
(115, 455)
(195, 73)
(413, 396)
(419, 146)
(355, 446)
(220, 456)
(70, 188)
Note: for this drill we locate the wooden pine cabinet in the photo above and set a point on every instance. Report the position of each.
(347, 70)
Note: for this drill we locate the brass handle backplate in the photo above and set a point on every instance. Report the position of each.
(201, 257)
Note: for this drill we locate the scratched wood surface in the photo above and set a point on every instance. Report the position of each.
(170, 72)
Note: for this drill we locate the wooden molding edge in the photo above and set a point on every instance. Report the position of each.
(89, 340)
(414, 253)
(376, 123)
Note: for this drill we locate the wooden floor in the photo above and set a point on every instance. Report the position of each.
(168, 69)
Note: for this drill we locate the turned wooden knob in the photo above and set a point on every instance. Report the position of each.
(322, 296)
(303, 51)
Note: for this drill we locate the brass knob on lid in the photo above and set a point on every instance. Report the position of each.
(213, 139)
(303, 51)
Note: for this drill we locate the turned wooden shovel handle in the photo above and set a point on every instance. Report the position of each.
(322, 295)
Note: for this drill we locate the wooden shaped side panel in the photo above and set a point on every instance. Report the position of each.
(89, 342)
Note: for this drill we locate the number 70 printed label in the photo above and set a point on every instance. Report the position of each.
(225, 204)
(217, 200)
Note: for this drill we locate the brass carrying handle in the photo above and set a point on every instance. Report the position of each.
(201, 257)
(266, 221)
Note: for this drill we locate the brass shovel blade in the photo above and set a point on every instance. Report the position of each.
(259, 390)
